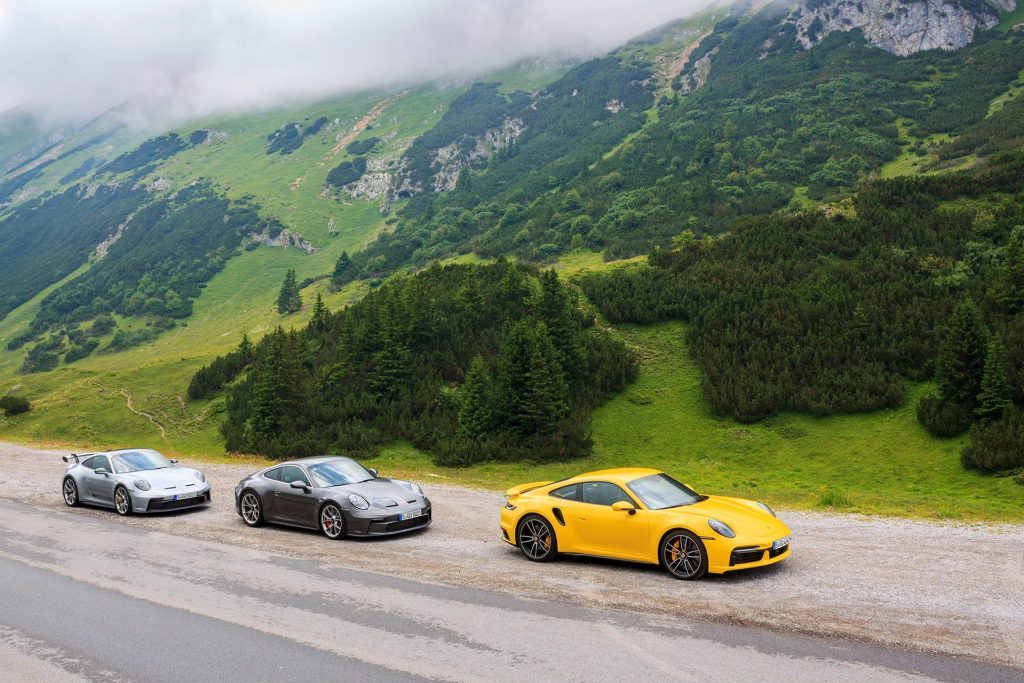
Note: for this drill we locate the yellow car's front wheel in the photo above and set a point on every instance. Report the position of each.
(536, 538)
(683, 555)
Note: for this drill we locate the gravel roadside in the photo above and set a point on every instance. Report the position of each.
(949, 588)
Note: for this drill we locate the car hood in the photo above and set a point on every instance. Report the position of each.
(743, 516)
(382, 491)
(168, 478)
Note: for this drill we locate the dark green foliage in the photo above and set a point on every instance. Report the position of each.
(943, 418)
(998, 445)
(342, 269)
(994, 397)
(103, 325)
(40, 359)
(960, 362)
(361, 147)
(14, 405)
(170, 248)
(1009, 285)
(150, 151)
(829, 314)
(385, 369)
(1002, 131)
(198, 137)
(289, 300)
(45, 241)
(127, 339)
(320, 320)
(79, 171)
(347, 172)
(13, 184)
(80, 350)
(285, 139)
(315, 127)
(211, 378)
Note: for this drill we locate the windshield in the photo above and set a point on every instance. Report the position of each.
(138, 461)
(660, 491)
(339, 473)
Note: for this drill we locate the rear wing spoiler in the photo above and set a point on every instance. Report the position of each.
(77, 456)
(523, 488)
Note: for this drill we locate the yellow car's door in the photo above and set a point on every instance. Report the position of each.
(607, 531)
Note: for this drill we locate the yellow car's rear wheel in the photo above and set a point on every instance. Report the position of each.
(536, 538)
(683, 555)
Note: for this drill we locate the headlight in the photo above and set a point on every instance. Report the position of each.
(722, 528)
(767, 509)
(359, 502)
(415, 488)
(199, 475)
(142, 484)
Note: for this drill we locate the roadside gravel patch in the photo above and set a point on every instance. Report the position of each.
(940, 587)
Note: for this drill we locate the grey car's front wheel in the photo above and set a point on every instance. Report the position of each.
(70, 490)
(252, 509)
(332, 521)
(122, 501)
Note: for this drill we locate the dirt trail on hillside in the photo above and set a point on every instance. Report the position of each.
(949, 588)
(363, 123)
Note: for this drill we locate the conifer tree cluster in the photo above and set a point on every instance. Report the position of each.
(471, 363)
(289, 300)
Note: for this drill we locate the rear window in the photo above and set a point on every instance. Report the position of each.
(274, 474)
(567, 492)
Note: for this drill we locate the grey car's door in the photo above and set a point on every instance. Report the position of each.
(294, 505)
(99, 480)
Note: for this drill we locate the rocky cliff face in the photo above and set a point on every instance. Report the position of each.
(901, 27)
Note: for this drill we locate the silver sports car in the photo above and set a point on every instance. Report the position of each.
(336, 495)
(133, 480)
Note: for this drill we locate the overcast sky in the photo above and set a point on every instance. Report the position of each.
(73, 59)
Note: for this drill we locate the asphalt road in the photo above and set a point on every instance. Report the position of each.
(91, 597)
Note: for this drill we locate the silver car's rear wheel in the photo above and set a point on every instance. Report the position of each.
(252, 511)
(332, 521)
(122, 501)
(70, 490)
(537, 539)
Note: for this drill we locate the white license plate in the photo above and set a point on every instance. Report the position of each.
(411, 515)
(186, 496)
(781, 543)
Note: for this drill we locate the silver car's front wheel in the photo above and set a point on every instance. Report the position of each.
(122, 501)
(332, 521)
(70, 490)
(252, 511)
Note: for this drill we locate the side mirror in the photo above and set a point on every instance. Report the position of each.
(373, 471)
(300, 485)
(624, 506)
(103, 471)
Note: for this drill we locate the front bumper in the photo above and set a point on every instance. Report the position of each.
(154, 501)
(744, 555)
(372, 523)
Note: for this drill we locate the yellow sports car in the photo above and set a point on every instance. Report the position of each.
(642, 515)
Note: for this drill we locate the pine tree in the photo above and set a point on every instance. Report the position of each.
(476, 410)
(246, 351)
(556, 310)
(1009, 285)
(320, 319)
(341, 267)
(960, 363)
(289, 300)
(532, 394)
(994, 398)
(279, 391)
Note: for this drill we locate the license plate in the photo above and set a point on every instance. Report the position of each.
(781, 543)
(411, 515)
(186, 496)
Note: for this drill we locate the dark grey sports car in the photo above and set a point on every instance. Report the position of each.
(334, 494)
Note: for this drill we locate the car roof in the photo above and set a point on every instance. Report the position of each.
(622, 475)
(314, 460)
(119, 451)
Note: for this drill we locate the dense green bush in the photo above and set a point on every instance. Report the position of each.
(361, 147)
(14, 405)
(943, 418)
(150, 151)
(998, 445)
(347, 172)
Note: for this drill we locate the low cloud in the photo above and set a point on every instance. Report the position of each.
(70, 60)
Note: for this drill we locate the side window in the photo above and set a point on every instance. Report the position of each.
(274, 474)
(567, 492)
(292, 473)
(97, 462)
(603, 493)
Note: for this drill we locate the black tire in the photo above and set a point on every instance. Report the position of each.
(252, 509)
(536, 537)
(70, 491)
(683, 555)
(332, 521)
(122, 501)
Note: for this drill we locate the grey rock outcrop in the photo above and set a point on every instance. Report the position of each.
(901, 27)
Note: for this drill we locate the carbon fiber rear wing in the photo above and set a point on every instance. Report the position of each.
(77, 456)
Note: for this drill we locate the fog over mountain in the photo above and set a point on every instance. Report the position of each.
(69, 60)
